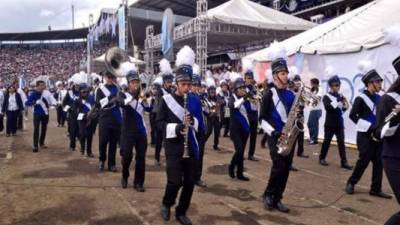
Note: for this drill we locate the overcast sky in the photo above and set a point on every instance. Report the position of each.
(37, 15)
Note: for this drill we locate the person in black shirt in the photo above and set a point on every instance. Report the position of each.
(240, 127)
(133, 131)
(388, 130)
(110, 119)
(86, 126)
(335, 106)
(275, 107)
(363, 115)
(179, 123)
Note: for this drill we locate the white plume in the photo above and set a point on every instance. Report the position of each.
(185, 56)
(79, 78)
(247, 65)
(126, 67)
(210, 82)
(196, 69)
(58, 83)
(234, 76)
(364, 66)
(276, 51)
(165, 67)
(392, 35)
(95, 76)
(223, 81)
(158, 80)
(329, 72)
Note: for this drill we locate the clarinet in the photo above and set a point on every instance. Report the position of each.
(186, 138)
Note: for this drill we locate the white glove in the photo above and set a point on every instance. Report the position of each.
(340, 105)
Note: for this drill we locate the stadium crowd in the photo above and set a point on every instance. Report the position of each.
(58, 62)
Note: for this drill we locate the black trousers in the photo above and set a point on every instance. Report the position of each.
(225, 122)
(39, 122)
(180, 175)
(253, 136)
(279, 172)
(1, 122)
(73, 130)
(20, 120)
(86, 132)
(213, 124)
(159, 141)
(368, 151)
(329, 132)
(139, 142)
(61, 117)
(12, 117)
(152, 119)
(109, 135)
(300, 143)
(239, 138)
(392, 170)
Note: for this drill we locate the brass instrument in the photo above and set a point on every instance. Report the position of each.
(295, 122)
(389, 117)
(114, 57)
(186, 123)
(310, 98)
(346, 103)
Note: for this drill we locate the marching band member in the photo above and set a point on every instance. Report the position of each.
(363, 114)
(68, 101)
(225, 94)
(167, 79)
(41, 100)
(133, 131)
(12, 107)
(276, 105)
(86, 127)
(60, 95)
(268, 84)
(201, 134)
(214, 103)
(177, 118)
(239, 125)
(315, 112)
(253, 109)
(388, 122)
(20, 118)
(335, 105)
(110, 119)
(300, 138)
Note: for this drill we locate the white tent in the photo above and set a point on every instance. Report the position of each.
(341, 43)
(248, 13)
(356, 30)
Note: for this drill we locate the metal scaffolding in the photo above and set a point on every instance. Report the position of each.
(201, 36)
(149, 51)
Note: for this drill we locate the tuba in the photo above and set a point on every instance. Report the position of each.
(113, 60)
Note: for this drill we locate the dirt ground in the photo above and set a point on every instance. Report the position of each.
(57, 187)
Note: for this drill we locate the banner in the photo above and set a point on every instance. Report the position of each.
(345, 66)
(121, 28)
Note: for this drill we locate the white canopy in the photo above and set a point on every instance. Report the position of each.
(248, 13)
(351, 32)
(133, 60)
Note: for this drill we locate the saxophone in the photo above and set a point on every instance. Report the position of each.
(294, 124)
(186, 123)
